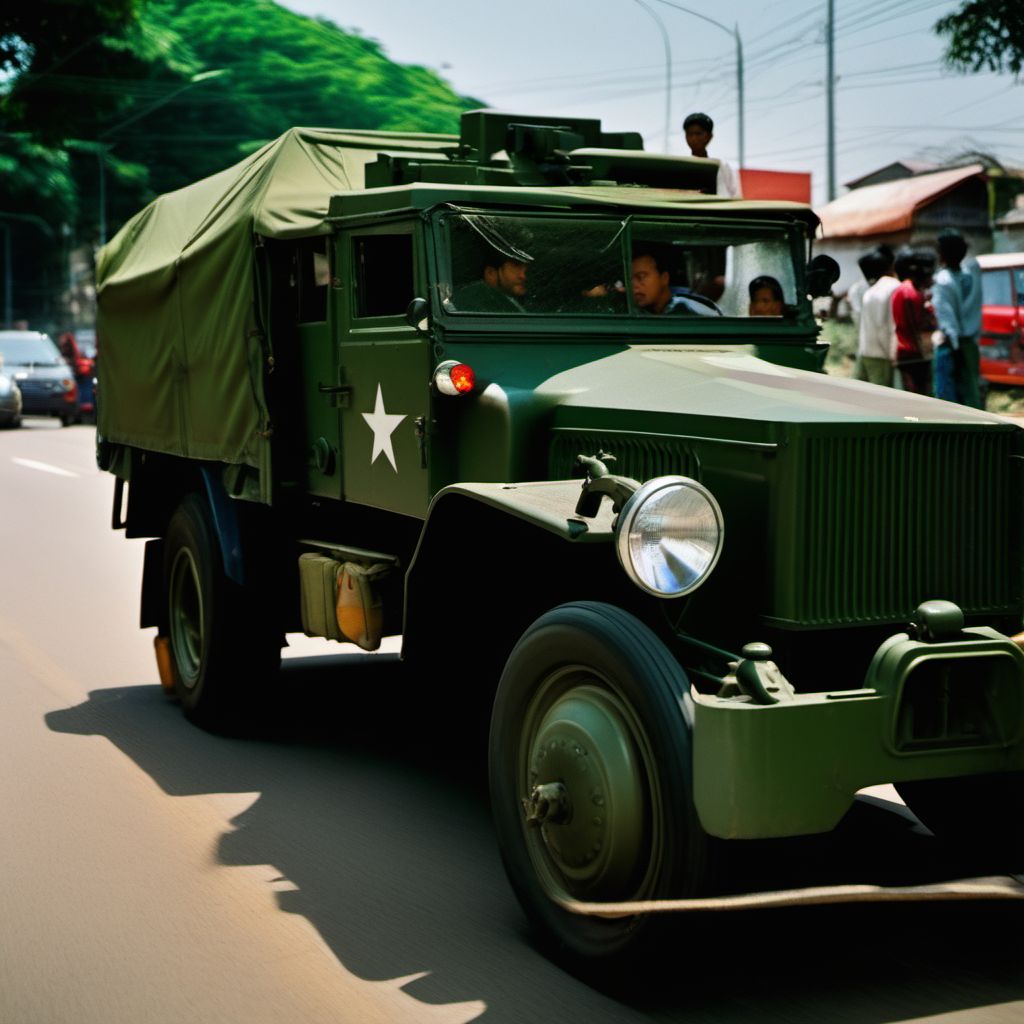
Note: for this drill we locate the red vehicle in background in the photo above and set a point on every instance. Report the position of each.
(1002, 317)
(79, 351)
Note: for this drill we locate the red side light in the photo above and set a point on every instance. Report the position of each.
(452, 378)
(463, 378)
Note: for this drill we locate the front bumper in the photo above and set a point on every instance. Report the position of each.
(927, 711)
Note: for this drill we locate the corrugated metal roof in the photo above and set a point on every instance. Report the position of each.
(889, 206)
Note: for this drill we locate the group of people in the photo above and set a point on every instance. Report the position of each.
(922, 322)
(503, 287)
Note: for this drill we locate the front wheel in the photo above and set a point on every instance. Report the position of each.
(223, 648)
(591, 779)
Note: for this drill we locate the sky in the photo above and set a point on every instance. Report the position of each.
(894, 99)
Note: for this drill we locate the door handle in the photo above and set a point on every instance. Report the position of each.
(341, 393)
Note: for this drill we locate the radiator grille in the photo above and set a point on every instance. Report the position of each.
(884, 523)
(637, 457)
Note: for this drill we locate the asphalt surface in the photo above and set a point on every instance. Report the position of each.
(337, 864)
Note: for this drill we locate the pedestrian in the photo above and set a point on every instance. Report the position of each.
(913, 319)
(956, 296)
(876, 334)
(698, 130)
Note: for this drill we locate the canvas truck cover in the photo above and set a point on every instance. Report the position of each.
(180, 367)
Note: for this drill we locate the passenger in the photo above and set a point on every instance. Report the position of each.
(765, 297)
(501, 288)
(653, 291)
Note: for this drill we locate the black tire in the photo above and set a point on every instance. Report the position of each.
(66, 419)
(586, 682)
(983, 814)
(224, 646)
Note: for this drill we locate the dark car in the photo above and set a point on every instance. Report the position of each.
(43, 377)
(1002, 317)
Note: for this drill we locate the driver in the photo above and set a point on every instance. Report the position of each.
(501, 288)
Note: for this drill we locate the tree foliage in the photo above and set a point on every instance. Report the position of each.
(132, 98)
(985, 35)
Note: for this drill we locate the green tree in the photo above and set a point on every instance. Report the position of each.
(985, 35)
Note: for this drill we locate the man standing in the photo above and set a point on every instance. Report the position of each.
(912, 318)
(698, 130)
(876, 335)
(956, 296)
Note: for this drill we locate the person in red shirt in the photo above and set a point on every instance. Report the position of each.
(913, 319)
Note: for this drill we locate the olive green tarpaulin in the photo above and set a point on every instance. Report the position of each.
(180, 359)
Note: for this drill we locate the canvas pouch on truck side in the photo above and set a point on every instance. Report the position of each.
(318, 580)
(340, 600)
(360, 612)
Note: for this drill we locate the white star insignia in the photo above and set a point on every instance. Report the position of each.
(383, 425)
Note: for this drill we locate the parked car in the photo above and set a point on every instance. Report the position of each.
(10, 400)
(43, 377)
(85, 370)
(1002, 317)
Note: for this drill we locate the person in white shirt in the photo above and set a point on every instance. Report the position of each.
(698, 129)
(876, 339)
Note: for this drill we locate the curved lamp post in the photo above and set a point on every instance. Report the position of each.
(735, 33)
(668, 69)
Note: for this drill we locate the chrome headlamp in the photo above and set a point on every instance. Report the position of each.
(669, 535)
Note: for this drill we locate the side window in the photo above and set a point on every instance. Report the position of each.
(384, 274)
(313, 275)
(1018, 277)
(995, 288)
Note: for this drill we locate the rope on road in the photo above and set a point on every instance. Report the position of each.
(996, 887)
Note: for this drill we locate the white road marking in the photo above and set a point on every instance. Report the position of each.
(43, 467)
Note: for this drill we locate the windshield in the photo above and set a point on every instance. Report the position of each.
(638, 267)
(28, 350)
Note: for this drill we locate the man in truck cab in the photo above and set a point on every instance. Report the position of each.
(501, 288)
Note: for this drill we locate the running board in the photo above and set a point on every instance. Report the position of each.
(995, 887)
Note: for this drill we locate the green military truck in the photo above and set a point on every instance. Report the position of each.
(508, 384)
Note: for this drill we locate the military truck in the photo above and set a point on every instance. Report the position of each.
(365, 384)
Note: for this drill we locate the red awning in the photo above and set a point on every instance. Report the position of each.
(890, 206)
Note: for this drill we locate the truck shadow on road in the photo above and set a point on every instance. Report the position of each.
(372, 804)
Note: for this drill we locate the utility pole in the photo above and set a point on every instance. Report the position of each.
(830, 97)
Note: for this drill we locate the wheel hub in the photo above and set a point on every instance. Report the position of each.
(186, 617)
(587, 791)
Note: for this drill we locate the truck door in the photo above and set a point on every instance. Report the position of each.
(384, 369)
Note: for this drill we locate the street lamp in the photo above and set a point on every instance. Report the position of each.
(102, 148)
(735, 33)
(668, 70)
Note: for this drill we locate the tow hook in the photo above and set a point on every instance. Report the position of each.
(548, 804)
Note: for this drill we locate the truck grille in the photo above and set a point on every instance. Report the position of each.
(880, 524)
(640, 457)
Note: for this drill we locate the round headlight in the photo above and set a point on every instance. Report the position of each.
(669, 535)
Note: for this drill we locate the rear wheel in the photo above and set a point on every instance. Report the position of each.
(591, 780)
(223, 643)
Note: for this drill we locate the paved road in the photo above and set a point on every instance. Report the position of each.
(340, 867)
